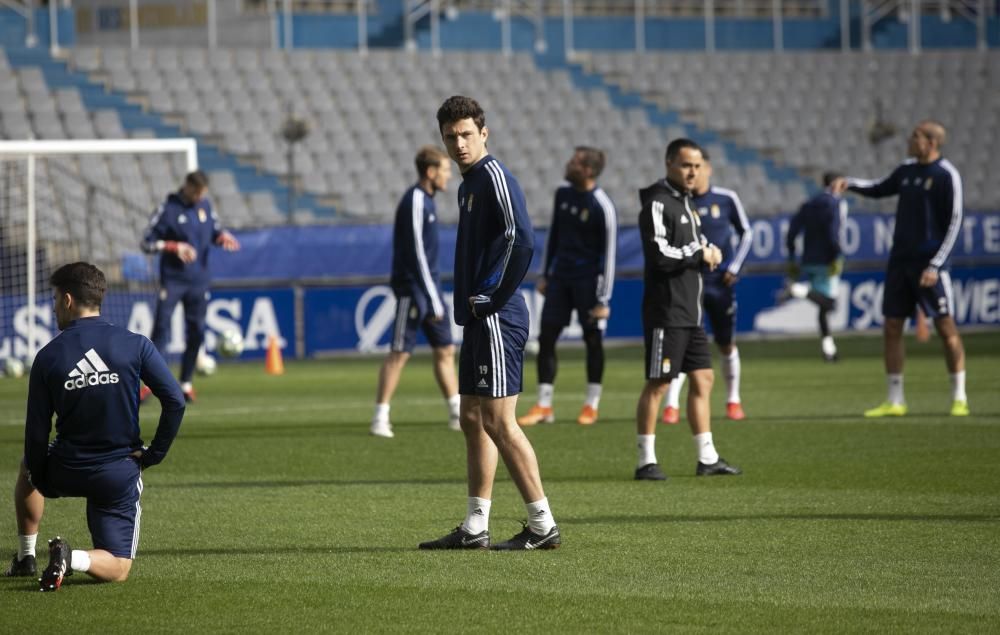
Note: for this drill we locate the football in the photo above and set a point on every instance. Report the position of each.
(205, 364)
(230, 344)
(13, 367)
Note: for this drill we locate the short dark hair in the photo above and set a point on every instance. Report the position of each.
(196, 179)
(593, 158)
(457, 108)
(674, 148)
(83, 281)
(830, 177)
(428, 157)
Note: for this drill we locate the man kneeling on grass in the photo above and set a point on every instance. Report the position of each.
(88, 376)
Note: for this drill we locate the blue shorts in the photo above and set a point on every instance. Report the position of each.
(902, 293)
(563, 296)
(720, 309)
(112, 491)
(492, 356)
(821, 281)
(413, 312)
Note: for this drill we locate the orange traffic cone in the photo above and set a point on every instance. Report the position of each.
(273, 364)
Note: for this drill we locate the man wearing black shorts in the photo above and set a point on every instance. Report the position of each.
(674, 250)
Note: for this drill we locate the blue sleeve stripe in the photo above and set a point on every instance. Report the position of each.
(956, 215)
(606, 285)
(417, 213)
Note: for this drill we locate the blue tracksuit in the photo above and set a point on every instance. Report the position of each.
(495, 240)
(928, 211)
(818, 220)
(722, 217)
(88, 376)
(583, 239)
(415, 250)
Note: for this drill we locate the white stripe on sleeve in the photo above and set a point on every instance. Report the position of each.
(956, 216)
(418, 247)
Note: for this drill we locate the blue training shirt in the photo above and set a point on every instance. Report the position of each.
(195, 224)
(928, 211)
(819, 221)
(583, 239)
(722, 218)
(88, 376)
(495, 240)
(415, 249)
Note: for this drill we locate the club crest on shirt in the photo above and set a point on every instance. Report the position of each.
(414, 312)
(469, 209)
(928, 183)
(665, 366)
(584, 214)
(202, 216)
(716, 212)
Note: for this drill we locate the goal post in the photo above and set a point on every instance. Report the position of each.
(65, 200)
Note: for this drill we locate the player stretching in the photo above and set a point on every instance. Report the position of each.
(928, 219)
(819, 221)
(88, 376)
(492, 254)
(722, 217)
(183, 230)
(578, 273)
(674, 250)
(417, 286)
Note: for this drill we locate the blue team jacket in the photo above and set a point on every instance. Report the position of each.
(495, 240)
(195, 224)
(722, 217)
(818, 220)
(415, 249)
(88, 376)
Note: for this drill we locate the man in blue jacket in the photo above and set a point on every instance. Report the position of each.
(88, 377)
(492, 253)
(928, 220)
(183, 231)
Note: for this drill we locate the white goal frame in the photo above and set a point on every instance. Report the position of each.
(31, 149)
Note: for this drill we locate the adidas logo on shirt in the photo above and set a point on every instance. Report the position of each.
(90, 371)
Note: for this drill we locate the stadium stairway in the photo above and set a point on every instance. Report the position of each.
(95, 96)
(670, 119)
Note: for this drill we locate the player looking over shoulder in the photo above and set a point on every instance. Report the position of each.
(492, 254)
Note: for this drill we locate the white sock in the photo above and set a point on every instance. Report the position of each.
(381, 413)
(187, 386)
(453, 403)
(80, 560)
(731, 372)
(958, 386)
(539, 516)
(545, 392)
(477, 518)
(894, 382)
(674, 391)
(26, 545)
(798, 290)
(647, 449)
(706, 449)
(593, 395)
(828, 345)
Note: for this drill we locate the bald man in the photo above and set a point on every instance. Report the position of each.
(928, 219)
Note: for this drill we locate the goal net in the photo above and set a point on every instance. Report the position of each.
(63, 201)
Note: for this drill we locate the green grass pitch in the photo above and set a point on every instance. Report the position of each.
(277, 512)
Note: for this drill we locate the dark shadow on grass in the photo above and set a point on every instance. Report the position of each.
(30, 584)
(888, 517)
(265, 550)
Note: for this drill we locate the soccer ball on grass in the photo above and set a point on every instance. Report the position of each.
(230, 344)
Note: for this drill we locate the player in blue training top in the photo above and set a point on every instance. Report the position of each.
(183, 230)
(723, 221)
(492, 254)
(88, 377)
(928, 220)
(417, 285)
(819, 221)
(578, 273)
